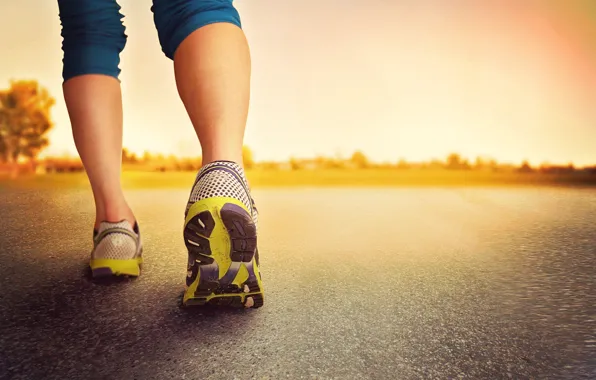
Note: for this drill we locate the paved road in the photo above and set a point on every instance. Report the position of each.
(360, 284)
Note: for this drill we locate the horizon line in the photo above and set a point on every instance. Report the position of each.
(464, 159)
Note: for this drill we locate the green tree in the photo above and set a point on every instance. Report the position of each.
(24, 120)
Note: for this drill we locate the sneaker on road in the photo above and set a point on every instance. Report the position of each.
(117, 250)
(220, 233)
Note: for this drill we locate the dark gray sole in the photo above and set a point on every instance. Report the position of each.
(243, 248)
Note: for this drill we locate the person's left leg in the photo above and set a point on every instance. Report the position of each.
(93, 38)
(212, 66)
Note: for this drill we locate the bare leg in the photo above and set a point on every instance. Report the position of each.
(94, 104)
(212, 67)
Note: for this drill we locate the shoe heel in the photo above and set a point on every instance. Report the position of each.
(220, 233)
(101, 268)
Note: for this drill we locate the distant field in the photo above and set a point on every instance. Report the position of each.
(320, 178)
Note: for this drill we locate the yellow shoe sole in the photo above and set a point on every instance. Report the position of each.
(110, 267)
(223, 268)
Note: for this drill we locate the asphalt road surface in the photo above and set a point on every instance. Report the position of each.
(360, 284)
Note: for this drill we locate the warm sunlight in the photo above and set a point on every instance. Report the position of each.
(383, 189)
(505, 80)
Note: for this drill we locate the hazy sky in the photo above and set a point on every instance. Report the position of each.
(509, 79)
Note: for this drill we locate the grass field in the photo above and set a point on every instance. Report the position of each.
(320, 178)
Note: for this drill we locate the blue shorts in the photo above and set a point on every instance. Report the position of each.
(94, 36)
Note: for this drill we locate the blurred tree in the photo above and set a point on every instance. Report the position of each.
(320, 162)
(247, 157)
(403, 164)
(24, 120)
(480, 163)
(493, 165)
(435, 164)
(360, 160)
(525, 167)
(295, 164)
(454, 161)
(570, 167)
(128, 157)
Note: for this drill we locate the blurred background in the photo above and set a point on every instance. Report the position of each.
(404, 89)
(424, 172)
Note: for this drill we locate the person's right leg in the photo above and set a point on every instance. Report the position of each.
(93, 39)
(212, 65)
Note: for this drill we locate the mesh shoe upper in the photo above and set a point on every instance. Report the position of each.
(116, 241)
(223, 179)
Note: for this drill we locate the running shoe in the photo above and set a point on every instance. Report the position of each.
(117, 250)
(220, 233)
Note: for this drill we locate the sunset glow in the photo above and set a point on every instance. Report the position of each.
(511, 80)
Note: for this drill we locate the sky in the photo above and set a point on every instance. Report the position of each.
(404, 79)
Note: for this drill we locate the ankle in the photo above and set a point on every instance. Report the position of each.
(236, 164)
(115, 214)
(210, 157)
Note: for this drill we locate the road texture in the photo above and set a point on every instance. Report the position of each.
(360, 284)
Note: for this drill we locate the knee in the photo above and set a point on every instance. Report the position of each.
(177, 19)
(93, 37)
